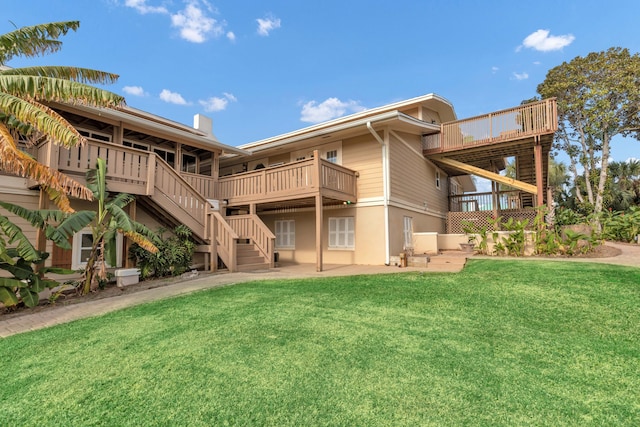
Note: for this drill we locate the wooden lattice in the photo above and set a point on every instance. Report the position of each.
(481, 218)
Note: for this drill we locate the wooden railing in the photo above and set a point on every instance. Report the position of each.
(251, 227)
(287, 181)
(173, 187)
(536, 118)
(474, 202)
(127, 168)
(227, 240)
(338, 178)
(205, 185)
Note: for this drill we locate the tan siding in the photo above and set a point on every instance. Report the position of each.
(369, 235)
(412, 177)
(364, 155)
(27, 202)
(280, 158)
(421, 223)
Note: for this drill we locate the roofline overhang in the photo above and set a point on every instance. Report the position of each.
(160, 125)
(353, 120)
(377, 120)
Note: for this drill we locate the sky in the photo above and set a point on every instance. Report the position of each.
(260, 68)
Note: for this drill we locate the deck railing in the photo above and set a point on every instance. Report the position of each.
(536, 118)
(205, 185)
(251, 227)
(286, 181)
(227, 240)
(475, 202)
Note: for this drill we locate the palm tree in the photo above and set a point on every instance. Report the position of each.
(624, 184)
(24, 93)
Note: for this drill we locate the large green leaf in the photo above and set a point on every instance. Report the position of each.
(14, 233)
(7, 296)
(29, 297)
(34, 40)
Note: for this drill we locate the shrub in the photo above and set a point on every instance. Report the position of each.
(174, 254)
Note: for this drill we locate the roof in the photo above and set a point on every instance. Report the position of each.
(160, 125)
(385, 113)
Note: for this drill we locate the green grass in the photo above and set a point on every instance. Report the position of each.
(502, 343)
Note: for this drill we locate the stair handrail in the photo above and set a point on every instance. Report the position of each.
(250, 226)
(226, 238)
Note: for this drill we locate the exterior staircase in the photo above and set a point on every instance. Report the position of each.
(173, 198)
(249, 258)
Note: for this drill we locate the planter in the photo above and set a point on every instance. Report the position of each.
(127, 276)
(467, 247)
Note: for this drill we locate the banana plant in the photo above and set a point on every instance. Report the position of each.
(111, 219)
(23, 261)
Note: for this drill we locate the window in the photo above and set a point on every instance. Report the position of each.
(437, 178)
(136, 145)
(331, 152)
(95, 135)
(167, 156)
(332, 156)
(285, 234)
(407, 231)
(189, 163)
(341, 233)
(82, 243)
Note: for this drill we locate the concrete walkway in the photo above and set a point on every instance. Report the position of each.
(12, 325)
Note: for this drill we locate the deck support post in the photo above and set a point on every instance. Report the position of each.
(319, 232)
(537, 154)
(132, 208)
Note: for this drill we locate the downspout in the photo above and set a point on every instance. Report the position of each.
(385, 189)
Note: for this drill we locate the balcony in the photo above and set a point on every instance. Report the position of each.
(293, 184)
(525, 122)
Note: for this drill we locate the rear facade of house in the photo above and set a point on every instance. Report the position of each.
(356, 190)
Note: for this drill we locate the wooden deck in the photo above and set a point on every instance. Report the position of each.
(289, 183)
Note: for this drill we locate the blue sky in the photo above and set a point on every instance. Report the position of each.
(262, 68)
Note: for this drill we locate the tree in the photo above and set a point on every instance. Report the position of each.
(110, 220)
(598, 98)
(23, 113)
(27, 281)
(624, 184)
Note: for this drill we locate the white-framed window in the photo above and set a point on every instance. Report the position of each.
(99, 136)
(331, 152)
(437, 179)
(407, 231)
(81, 249)
(285, 234)
(136, 145)
(342, 233)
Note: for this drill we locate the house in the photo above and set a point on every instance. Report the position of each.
(355, 190)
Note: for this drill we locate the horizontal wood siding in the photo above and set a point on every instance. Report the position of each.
(364, 155)
(413, 179)
(27, 202)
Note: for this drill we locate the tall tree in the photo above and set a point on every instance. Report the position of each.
(24, 114)
(598, 98)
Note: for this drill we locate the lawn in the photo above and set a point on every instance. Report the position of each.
(502, 343)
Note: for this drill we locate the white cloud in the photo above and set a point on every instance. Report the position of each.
(536, 63)
(331, 108)
(494, 70)
(142, 7)
(520, 76)
(194, 23)
(268, 24)
(541, 41)
(215, 103)
(172, 97)
(231, 36)
(134, 90)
